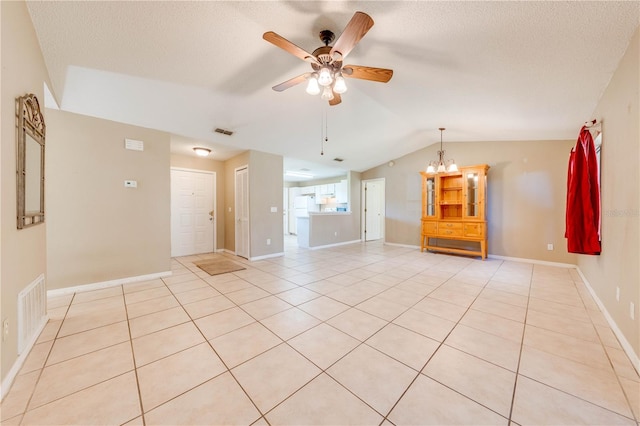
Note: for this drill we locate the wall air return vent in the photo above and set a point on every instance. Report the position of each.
(223, 131)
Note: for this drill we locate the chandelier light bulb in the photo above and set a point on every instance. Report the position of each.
(312, 86)
(325, 77)
(327, 94)
(340, 85)
(441, 168)
(431, 169)
(453, 167)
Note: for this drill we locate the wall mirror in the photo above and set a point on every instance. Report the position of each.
(30, 139)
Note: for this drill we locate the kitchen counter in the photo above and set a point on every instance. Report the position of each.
(322, 229)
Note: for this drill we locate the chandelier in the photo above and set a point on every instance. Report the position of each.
(442, 165)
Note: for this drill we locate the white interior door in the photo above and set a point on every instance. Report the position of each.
(373, 209)
(242, 212)
(192, 212)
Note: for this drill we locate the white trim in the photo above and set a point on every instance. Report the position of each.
(363, 207)
(534, 261)
(628, 349)
(185, 169)
(17, 365)
(401, 245)
(267, 256)
(106, 284)
(235, 206)
(335, 245)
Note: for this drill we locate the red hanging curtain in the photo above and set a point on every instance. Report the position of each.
(583, 197)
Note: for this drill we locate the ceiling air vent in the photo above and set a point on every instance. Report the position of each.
(223, 131)
(338, 159)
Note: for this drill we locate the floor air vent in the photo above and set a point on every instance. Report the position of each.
(32, 311)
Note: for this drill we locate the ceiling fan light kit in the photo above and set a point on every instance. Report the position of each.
(327, 78)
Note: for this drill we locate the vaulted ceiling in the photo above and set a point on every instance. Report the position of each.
(484, 70)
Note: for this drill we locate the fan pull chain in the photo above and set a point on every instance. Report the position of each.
(326, 138)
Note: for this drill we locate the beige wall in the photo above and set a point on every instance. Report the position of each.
(98, 229)
(22, 252)
(207, 164)
(265, 191)
(230, 166)
(618, 264)
(525, 201)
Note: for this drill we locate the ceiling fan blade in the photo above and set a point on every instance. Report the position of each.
(336, 99)
(285, 44)
(291, 82)
(381, 75)
(357, 27)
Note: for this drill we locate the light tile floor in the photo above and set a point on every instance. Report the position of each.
(358, 334)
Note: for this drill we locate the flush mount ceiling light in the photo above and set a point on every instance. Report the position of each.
(298, 174)
(202, 152)
(442, 165)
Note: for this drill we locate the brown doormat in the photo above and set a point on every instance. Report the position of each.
(217, 267)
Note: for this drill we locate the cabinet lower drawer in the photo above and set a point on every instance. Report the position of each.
(474, 229)
(430, 228)
(450, 229)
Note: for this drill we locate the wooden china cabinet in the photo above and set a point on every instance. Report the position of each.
(454, 211)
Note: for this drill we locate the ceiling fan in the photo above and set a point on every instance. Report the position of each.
(328, 72)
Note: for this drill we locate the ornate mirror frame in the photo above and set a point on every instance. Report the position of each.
(30, 139)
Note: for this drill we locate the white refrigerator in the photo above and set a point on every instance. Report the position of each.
(302, 205)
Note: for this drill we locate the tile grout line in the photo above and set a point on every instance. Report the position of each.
(386, 417)
(41, 370)
(524, 330)
(228, 370)
(133, 355)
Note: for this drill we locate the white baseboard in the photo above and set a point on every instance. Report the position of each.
(534, 261)
(17, 365)
(626, 346)
(266, 256)
(386, 243)
(335, 245)
(106, 284)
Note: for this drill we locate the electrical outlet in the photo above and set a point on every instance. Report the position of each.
(618, 294)
(268, 241)
(5, 329)
(632, 310)
(549, 247)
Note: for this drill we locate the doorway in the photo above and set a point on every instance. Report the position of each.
(373, 214)
(242, 212)
(193, 221)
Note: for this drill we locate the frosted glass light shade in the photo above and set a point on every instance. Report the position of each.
(325, 77)
(327, 94)
(340, 86)
(312, 86)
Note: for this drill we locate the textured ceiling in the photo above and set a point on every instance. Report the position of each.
(484, 70)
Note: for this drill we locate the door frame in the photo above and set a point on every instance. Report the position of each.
(214, 195)
(363, 203)
(235, 203)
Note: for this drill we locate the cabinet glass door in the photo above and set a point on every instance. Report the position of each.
(430, 198)
(473, 196)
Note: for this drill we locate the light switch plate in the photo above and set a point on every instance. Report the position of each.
(130, 184)
(274, 209)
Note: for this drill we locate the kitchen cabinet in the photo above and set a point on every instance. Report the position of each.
(454, 211)
(342, 192)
